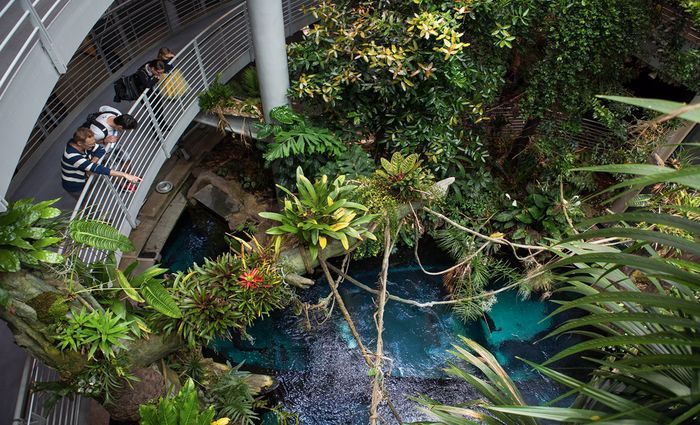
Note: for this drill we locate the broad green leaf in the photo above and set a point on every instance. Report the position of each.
(48, 257)
(663, 106)
(44, 242)
(127, 288)
(160, 299)
(99, 235)
(9, 261)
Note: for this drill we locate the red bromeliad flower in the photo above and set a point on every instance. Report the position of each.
(251, 279)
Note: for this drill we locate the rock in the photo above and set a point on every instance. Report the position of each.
(130, 396)
(238, 207)
(218, 201)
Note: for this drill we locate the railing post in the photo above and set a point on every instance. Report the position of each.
(45, 37)
(156, 125)
(120, 202)
(200, 62)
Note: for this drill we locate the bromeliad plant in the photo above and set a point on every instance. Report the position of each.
(321, 210)
(227, 293)
(404, 177)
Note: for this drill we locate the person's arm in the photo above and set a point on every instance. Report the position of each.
(130, 177)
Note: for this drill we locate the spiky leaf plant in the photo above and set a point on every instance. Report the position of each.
(642, 320)
(321, 210)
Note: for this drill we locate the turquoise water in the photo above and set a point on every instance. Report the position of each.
(320, 372)
(323, 378)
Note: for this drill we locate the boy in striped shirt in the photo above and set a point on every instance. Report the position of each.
(80, 158)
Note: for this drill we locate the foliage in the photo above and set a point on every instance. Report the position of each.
(320, 211)
(540, 214)
(497, 388)
(246, 84)
(404, 177)
(90, 332)
(100, 379)
(642, 323)
(226, 293)
(581, 60)
(285, 417)
(399, 71)
(232, 397)
(294, 136)
(150, 286)
(353, 164)
(99, 235)
(478, 268)
(181, 409)
(26, 230)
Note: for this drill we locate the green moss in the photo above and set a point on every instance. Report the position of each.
(50, 307)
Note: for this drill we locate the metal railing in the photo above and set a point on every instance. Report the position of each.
(33, 410)
(225, 45)
(23, 23)
(121, 36)
(162, 119)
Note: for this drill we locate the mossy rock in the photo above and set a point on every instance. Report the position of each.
(50, 307)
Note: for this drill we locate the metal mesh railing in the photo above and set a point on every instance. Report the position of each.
(120, 36)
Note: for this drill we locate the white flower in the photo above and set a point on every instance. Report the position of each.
(508, 196)
(515, 203)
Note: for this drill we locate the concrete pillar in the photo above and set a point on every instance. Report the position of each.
(267, 27)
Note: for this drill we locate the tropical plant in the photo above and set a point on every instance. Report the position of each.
(642, 319)
(540, 214)
(226, 293)
(99, 235)
(294, 136)
(404, 177)
(26, 230)
(233, 397)
(93, 331)
(180, 409)
(320, 211)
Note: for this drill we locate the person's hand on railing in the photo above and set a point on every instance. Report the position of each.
(130, 177)
(110, 139)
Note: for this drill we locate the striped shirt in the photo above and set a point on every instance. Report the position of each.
(74, 165)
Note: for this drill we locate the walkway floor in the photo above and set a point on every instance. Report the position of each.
(45, 183)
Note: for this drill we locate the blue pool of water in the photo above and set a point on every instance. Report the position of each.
(322, 376)
(320, 372)
(198, 234)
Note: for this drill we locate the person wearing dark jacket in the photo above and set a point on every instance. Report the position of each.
(148, 75)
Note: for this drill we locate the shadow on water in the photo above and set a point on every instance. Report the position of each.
(198, 234)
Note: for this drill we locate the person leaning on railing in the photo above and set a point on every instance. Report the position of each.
(80, 159)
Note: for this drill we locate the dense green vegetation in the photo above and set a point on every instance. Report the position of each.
(389, 97)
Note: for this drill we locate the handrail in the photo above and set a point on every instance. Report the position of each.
(223, 43)
(119, 38)
(223, 46)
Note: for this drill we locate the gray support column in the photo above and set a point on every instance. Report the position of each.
(267, 27)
